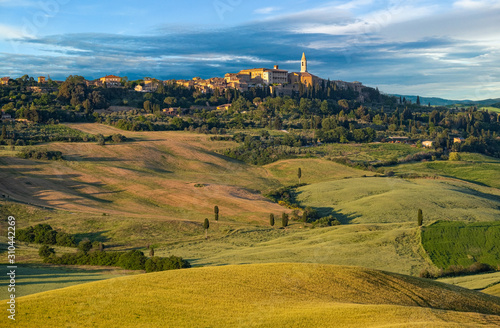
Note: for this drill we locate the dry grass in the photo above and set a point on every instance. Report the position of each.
(273, 295)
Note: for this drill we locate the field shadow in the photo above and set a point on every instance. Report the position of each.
(80, 158)
(479, 194)
(35, 185)
(93, 236)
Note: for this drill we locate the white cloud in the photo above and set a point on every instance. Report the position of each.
(11, 32)
(370, 23)
(476, 4)
(266, 10)
(354, 4)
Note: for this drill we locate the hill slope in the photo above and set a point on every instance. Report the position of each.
(382, 200)
(272, 295)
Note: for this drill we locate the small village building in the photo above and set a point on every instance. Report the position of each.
(224, 107)
(4, 80)
(41, 79)
(111, 80)
(428, 144)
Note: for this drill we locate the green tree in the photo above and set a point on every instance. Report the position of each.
(206, 225)
(151, 252)
(299, 174)
(101, 141)
(420, 218)
(284, 220)
(216, 213)
(4, 132)
(45, 251)
(85, 246)
(454, 156)
(271, 219)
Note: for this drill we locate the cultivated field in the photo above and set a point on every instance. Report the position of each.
(274, 295)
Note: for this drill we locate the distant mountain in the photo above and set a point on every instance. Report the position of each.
(434, 101)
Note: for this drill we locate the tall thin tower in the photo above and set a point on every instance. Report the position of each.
(303, 65)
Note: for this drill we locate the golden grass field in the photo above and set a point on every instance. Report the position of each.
(270, 295)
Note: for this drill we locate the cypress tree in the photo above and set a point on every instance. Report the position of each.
(420, 218)
(151, 252)
(216, 212)
(299, 174)
(284, 220)
(206, 225)
(271, 219)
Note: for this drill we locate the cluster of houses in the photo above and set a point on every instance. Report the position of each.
(425, 144)
(280, 82)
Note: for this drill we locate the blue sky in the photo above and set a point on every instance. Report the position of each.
(447, 49)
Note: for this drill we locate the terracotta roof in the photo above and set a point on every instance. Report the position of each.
(5, 78)
(112, 77)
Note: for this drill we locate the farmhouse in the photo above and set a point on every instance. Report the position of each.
(4, 80)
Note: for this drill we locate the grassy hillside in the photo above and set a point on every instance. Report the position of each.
(475, 168)
(156, 188)
(488, 283)
(382, 200)
(457, 243)
(273, 295)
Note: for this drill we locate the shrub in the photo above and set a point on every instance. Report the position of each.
(85, 246)
(64, 239)
(132, 260)
(45, 251)
(454, 156)
(326, 221)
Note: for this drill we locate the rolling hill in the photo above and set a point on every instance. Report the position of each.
(384, 200)
(271, 295)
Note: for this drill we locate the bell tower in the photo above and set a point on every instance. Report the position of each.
(303, 63)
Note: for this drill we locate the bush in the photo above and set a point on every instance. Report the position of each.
(118, 138)
(165, 263)
(65, 239)
(454, 156)
(132, 260)
(45, 251)
(44, 234)
(326, 221)
(85, 246)
(40, 154)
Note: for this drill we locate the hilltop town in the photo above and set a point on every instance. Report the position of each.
(279, 82)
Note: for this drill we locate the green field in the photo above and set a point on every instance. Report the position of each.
(457, 243)
(491, 109)
(475, 168)
(373, 152)
(391, 200)
(273, 295)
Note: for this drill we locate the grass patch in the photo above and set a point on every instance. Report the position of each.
(475, 168)
(457, 243)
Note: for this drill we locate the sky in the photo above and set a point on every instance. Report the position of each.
(448, 49)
